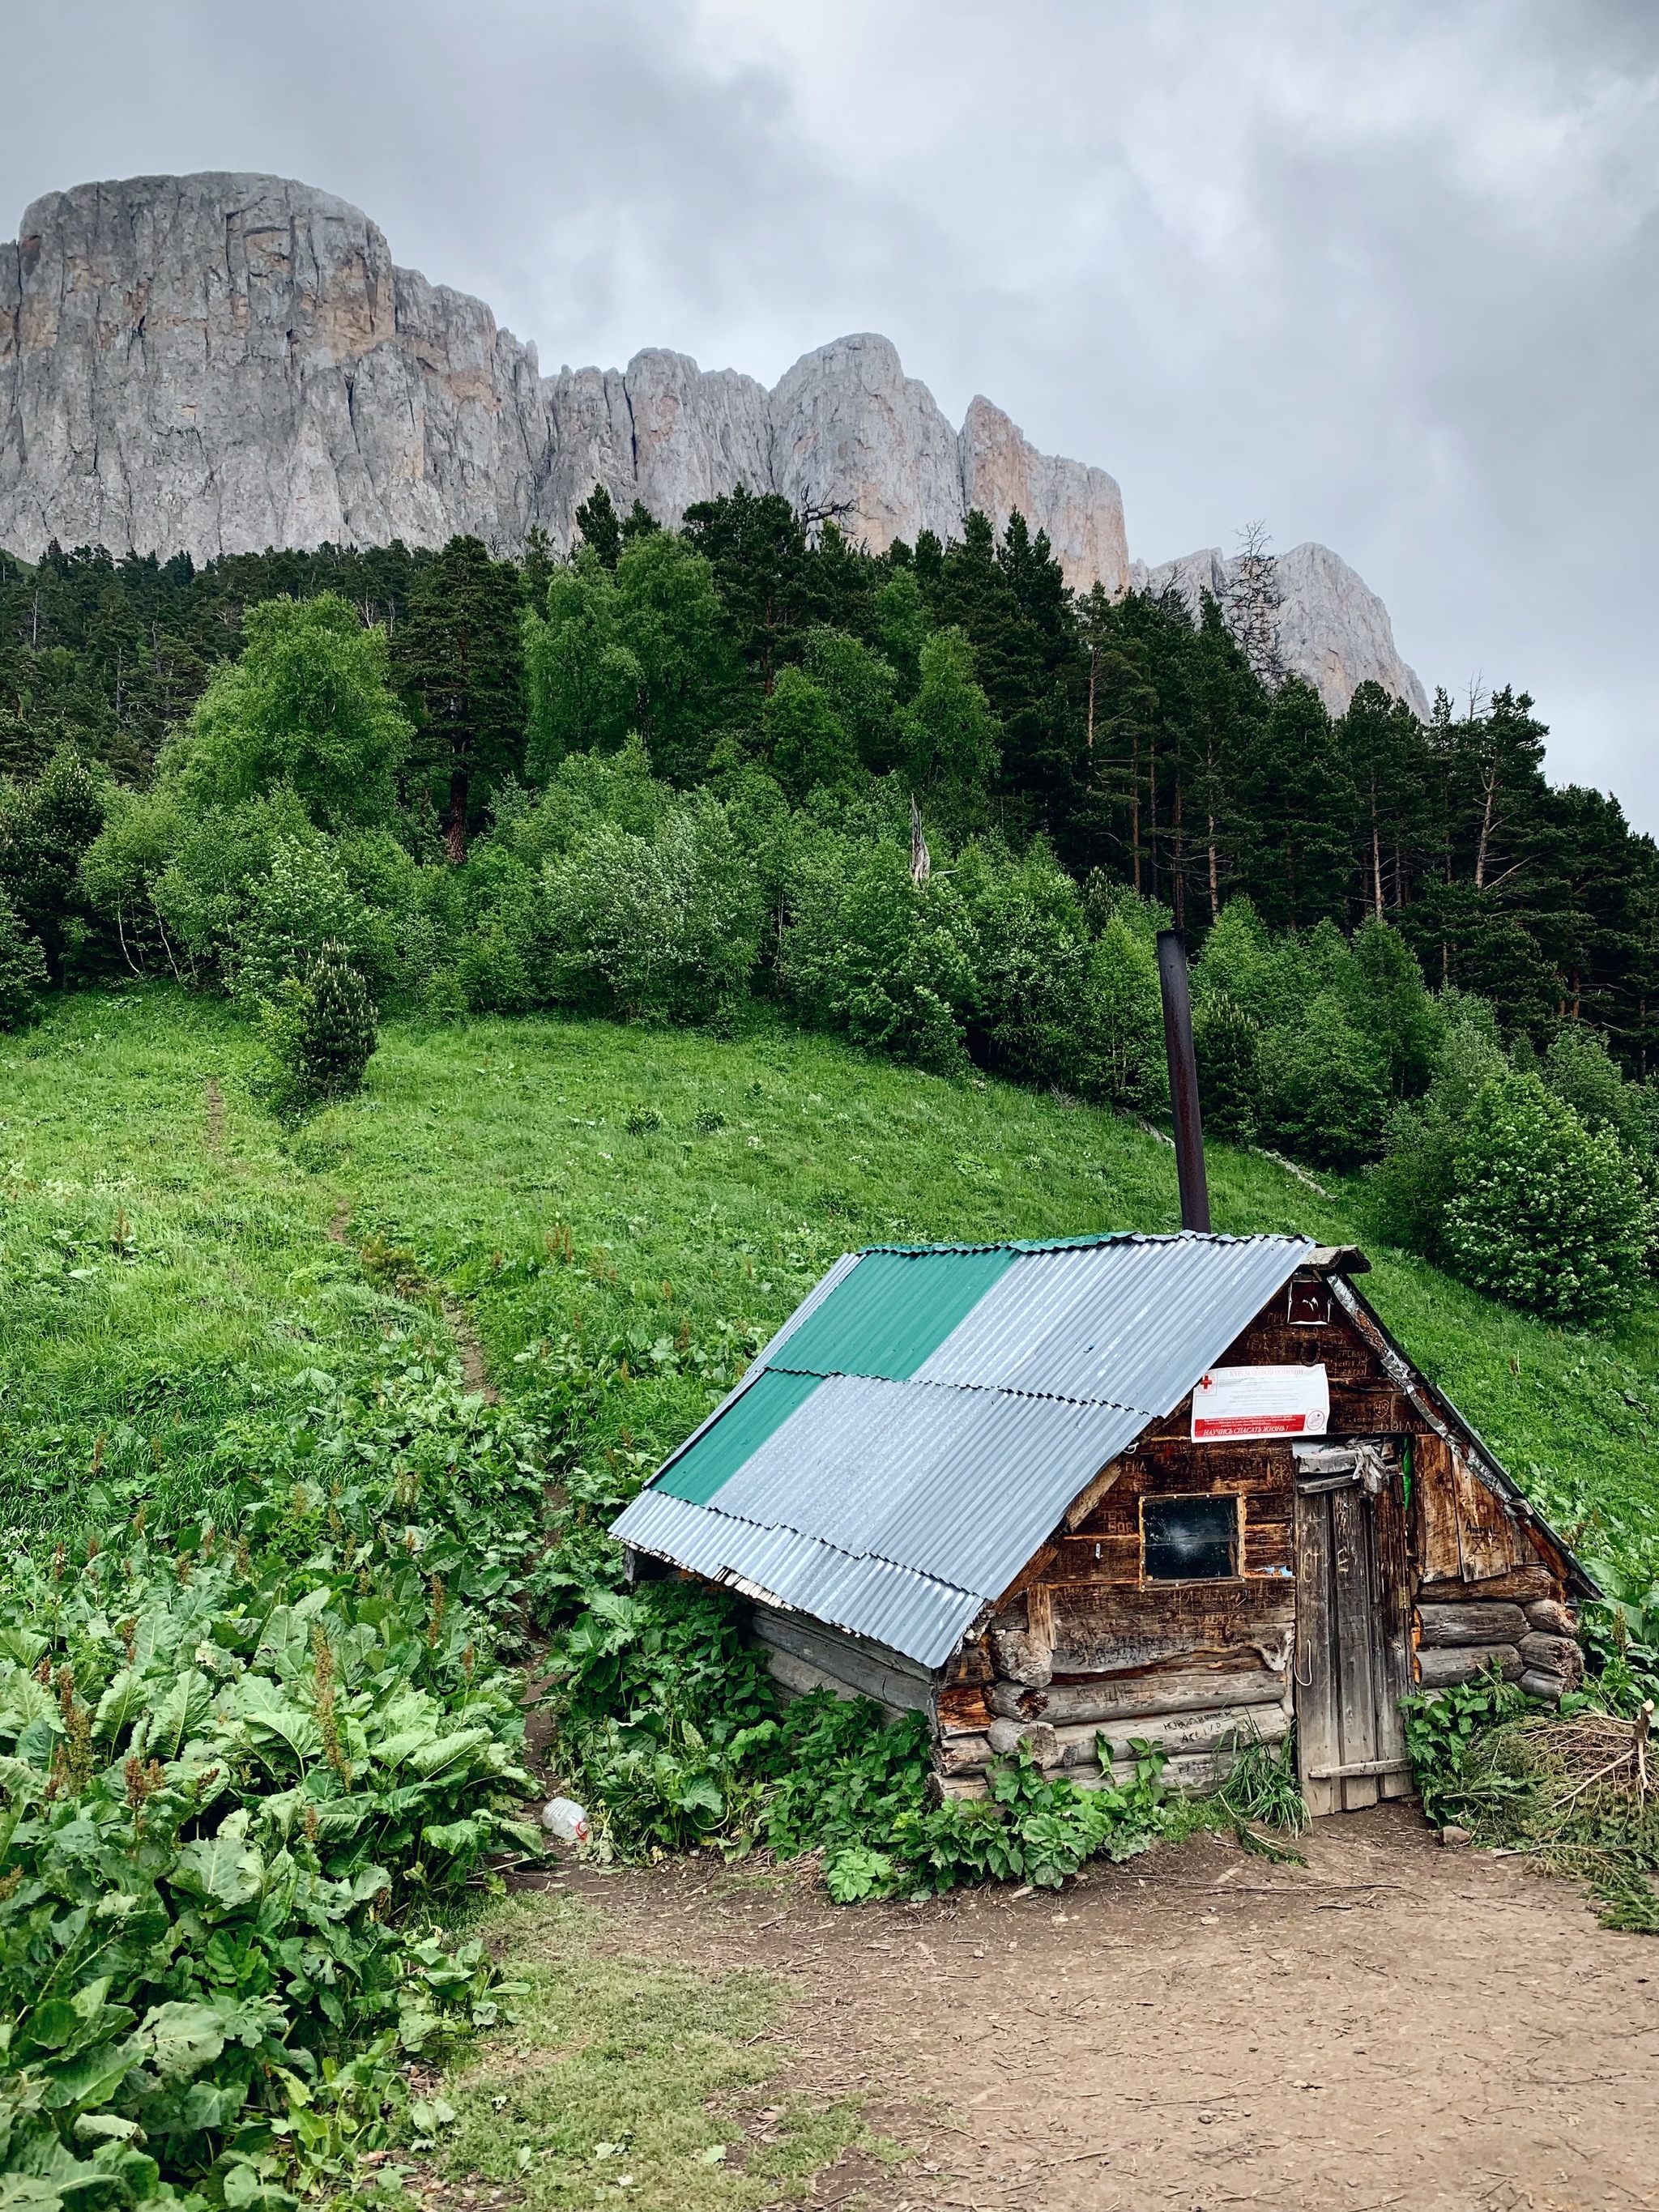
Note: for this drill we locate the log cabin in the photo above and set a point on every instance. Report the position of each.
(1183, 1490)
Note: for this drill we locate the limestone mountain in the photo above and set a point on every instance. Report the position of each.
(220, 363)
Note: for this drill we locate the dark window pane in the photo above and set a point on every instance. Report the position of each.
(1189, 1540)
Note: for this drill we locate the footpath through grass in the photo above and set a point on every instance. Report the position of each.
(203, 1317)
(167, 1256)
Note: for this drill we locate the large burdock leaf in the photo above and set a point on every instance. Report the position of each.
(226, 1868)
(127, 1696)
(182, 2039)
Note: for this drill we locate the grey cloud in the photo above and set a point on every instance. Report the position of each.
(1381, 275)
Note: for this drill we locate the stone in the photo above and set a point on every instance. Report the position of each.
(221, 362)
(217, 363)
(1081, 509)
(848, 425)
(1332, 630)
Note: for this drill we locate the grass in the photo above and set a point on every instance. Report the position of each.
(164, 1258)
(628, 2079)
(169, 1260)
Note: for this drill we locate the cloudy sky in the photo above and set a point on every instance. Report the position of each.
(1384, 273)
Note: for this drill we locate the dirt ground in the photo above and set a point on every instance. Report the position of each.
(1397, 2025)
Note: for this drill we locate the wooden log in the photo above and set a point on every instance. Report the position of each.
(1438, 1670)
(866, 1668)
(1020, 1657)
(1102, 1632)
(1470, 1623)
(1007, 1738)
(1087, 1498)
(961, 1709)
(1194, 1773)
(1164, 1691)
(964, 1754)
(797, 1677)
(1538, 1682)
(971, 1662)
(1100, 1558)
(1179, 1733)
(1556, 1654)
(1522, 1584)
(1550, 1617)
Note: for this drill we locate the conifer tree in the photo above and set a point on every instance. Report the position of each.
(462, 662)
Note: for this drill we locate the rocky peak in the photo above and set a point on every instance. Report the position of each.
(221, 362)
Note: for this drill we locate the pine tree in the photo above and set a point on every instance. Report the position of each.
(462, 660)
(596, 519)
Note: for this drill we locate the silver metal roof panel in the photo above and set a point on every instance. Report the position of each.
(950, 1482)
(912, 1612)
(1130, 1323)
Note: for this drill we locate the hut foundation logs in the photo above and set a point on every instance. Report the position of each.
(1199, 1718)
(1533, 1640)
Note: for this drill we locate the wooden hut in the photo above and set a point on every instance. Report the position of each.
(1185, 1489)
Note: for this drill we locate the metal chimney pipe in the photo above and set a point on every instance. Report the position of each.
(1183, 1079)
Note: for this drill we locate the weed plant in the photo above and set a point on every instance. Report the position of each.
(1566, 1788)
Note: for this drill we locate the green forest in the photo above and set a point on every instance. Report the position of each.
(456, 1008)
(932, 800)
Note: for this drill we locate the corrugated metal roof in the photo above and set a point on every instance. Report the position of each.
(870, 1490)
(891, 1311)
(1133, 1325)
(951, 1482)
(914, 1614)
(751, 1422)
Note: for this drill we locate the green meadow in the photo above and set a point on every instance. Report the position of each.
(169, 1255)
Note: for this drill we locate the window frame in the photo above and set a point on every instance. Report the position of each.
(1233, 1499)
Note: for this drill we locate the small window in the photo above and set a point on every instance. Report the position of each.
(1308, 1305)
(1189, 1540)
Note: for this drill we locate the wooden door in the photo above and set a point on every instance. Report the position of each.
(1352, 1643)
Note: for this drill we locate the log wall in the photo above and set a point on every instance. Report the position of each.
(1083, 1647)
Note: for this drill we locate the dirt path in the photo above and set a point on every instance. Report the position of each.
(1397, 2025)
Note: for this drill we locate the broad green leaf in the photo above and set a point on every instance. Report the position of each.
(224, 1868)
(447, 1751)
(182, 2039)
(127, 1696)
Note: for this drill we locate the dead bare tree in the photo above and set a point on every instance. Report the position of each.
(1250, 605)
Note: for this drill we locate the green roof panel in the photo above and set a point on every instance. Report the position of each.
(893, 1311)
(739, 1433)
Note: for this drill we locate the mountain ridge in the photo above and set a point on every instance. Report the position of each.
(223, 361)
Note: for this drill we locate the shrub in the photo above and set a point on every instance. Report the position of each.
(320, 1034)
(1544, 1213)
(1228, 1046)
(1326, 1086)
(1122, 1049)
(811, 746)
(1032, 966)
(309, 704)
(302, 904)
(886, 960)
(45, 828)
(1412, 1185)
(22, 970)
(666, 924)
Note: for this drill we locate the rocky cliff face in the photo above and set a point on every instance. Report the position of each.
(1332, 629)
(219, 363)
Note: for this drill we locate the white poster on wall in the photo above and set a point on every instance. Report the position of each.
(1233, 1404)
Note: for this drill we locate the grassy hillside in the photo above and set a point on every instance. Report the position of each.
(168, 1259)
